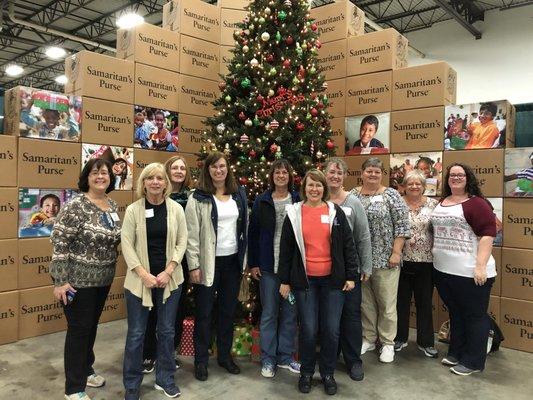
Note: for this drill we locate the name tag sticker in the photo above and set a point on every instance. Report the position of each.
(149, 213)
(324, 219)
(347, 211)
(115, 216)
(376, 199)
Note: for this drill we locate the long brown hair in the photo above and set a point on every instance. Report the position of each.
(168, 166)
(205, 183)
(472, 185)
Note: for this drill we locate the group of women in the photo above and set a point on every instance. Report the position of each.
(335, 268)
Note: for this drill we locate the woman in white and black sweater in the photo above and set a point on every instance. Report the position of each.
(85, 238)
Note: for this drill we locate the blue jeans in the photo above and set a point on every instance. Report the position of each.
(137, 320)
(351, 329)
(278, 323)
(320, 304)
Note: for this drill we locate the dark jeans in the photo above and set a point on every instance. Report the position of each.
(319, 305)
(150, 339)
(82, 317)
(137, 319)
(278, 323)
(469, 322)
(226, 286)
(417, 278)
(351, 336)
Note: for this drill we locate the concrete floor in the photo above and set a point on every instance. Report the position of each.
(33, 369)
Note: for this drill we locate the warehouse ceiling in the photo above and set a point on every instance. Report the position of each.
(93, 22)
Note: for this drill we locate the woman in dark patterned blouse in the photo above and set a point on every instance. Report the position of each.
(85, 238)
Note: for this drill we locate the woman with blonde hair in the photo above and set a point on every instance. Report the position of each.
(154, 238)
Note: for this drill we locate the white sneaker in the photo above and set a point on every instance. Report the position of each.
(77, 396)
(268, 371)
(387, 354)
(367, 346)
(95, 381)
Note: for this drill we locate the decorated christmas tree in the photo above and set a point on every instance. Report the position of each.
(272, 103)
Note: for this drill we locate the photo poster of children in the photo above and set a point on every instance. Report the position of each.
(367, 134)
(475, 126)
(497, 208)
(121, 159)
(49, 115)
(518, 175)
(38, 209)
(428, 163)
(155, 129)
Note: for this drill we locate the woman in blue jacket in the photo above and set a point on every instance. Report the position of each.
(278, 319)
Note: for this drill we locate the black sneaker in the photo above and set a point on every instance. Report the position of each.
(230, 366)
(200, 371)
(330, 386)
(356, 372)
(304, 383)
(148, 366)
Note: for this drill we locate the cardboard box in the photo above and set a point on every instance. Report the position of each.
(517, 274)
(8, 264)
(123, 198)
(497, 286)
(191, 133)
(103, 77)
(487, 165)
(419, 129)
(228, 24)
(39, 312)
(332, 59)
(234, 4)
(518, 223)
(355, 163)
(376, 51)
(155, 128)
(34, 257)
(424, 163)
(338, 20)
(467, 128)
(47, 164)
(428, 85)
(197, 95)
(517, 324)
(226, 55)
(9, 312)
(518, 164)
(115, 304)
(42, 114)
(9, 212)
(336, 92)
(121, 159)
(145, 157)
(193, 18)
(151, 45)
(493, 310)
(367, 94)
(337, 135)
(107, 122)
(8, 160)
(121, 266)
(368, 134)
(199, 58)
(434, 307)
(155, 87)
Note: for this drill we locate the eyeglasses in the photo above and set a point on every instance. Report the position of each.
(457, 176)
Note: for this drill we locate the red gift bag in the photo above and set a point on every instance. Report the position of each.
(187, 343)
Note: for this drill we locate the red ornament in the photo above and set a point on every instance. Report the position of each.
(270, 58)
(314, 27)
(252, 153)
(320, 105)
(243, 180)
(301, 72)
(318, 45)
(222, 85)
(300, 126)
(287, 63)
(297, 180)
(289, 40)
(259, 98)
(314, 112)
(273, 147)
(330, 145)
(242, 116)
(313, 95)
(199, 163)
(245, 42)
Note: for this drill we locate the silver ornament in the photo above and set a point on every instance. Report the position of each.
(221, 128)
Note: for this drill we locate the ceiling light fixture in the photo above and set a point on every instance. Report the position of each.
(129, 20)
(14, 70)
(61, 79)
(55, 52)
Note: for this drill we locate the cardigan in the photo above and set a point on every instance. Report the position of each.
(135, 247)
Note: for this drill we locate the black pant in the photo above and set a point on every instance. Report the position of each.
(226, 286)
(150, 339)
(416, 278)
(82, 317)
(469, 322)
(351, 338)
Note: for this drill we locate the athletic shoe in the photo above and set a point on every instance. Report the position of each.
(77, 396)
(398, 346)
(429, 351)
(268, 371)
(387, 354)
(293, 366)
(356, 373)
(367, 346)
(330, 386)
(304, 383)
(172, 391)
(450, 360)
(95, 381)
(148, 366)
(462, 370)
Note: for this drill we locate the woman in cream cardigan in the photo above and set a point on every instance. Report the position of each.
(154, 238)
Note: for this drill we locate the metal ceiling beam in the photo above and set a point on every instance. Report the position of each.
(368, 3)
(404, 14)
(464, 13)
